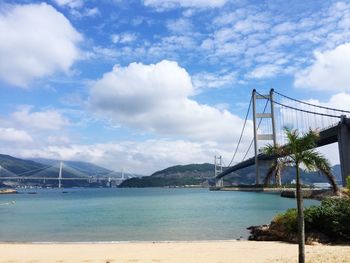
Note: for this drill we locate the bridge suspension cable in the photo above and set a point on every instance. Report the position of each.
(240, 137)
(301, 110)
(35, 170)
(310, 104)
(251, 143)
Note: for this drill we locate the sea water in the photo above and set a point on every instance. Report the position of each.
(144, 214)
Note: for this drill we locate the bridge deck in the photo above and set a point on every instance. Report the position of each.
(327, 136)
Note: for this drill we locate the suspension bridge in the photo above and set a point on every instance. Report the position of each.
(270, 114)
(61, 172)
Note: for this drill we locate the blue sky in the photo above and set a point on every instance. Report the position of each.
(145, 84)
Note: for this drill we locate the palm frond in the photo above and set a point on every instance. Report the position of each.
(308, 140)
(300, 149)
(269, 149)
(270, 173)
(308, 159)
(324, 167)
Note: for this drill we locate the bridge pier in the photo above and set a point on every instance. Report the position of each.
(344, 148)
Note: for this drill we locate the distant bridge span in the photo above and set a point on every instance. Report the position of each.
(62, 179)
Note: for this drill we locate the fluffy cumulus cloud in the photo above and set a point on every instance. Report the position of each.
(35, 41)
(165, 4)
(42, 120)
(14, 136)
(330, 70)
(157, 98)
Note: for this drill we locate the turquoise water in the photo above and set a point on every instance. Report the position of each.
(149, 214)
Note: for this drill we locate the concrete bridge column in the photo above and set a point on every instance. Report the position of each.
(344, 147)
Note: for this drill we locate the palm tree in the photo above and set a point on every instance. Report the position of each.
(299, 151)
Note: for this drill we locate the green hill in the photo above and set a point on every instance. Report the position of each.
(19, 166)
(200, 174)
(179, 175)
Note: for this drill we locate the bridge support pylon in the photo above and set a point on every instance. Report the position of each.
(344, 147)
(260, 137)
(218, 170)
(60, 176)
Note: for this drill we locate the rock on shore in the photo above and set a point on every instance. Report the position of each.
(8, 191)
(275, 232)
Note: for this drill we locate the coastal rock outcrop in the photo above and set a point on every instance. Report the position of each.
(8, 191)
(275, 232)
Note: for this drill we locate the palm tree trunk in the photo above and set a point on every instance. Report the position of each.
(301, 223)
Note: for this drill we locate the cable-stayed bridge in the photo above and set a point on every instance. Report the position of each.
(274, 111)
(61, 172)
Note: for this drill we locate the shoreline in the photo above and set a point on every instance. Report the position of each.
(121, 242)
(174, 252)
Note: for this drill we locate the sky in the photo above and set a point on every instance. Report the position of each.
(142, 85)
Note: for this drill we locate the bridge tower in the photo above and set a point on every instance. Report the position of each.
(123, 174)
(60, 176)
(262, 137)
(344, 147)
(218, 170)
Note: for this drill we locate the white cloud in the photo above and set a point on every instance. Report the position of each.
(14, 135)
(285, 27)
(99, 52)
(46, 120)
(212, 80)
(156, 98)
(35, 41)
(330, 71)
(264, 71)
(180, 26)
(92, 11)
(166, 4)
(123, 38)
(85, 12)
(70, 3)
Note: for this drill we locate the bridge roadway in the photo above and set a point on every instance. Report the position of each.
(327, 136)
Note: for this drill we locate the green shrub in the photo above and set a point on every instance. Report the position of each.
(332, 218)
(348, 183)
(287, 220)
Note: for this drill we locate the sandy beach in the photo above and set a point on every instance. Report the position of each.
(190, 252)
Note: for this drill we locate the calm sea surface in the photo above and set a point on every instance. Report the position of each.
(135, 214)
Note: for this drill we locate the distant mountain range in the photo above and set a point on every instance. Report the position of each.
(40, 167)
(199, 174)
(179, 175)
